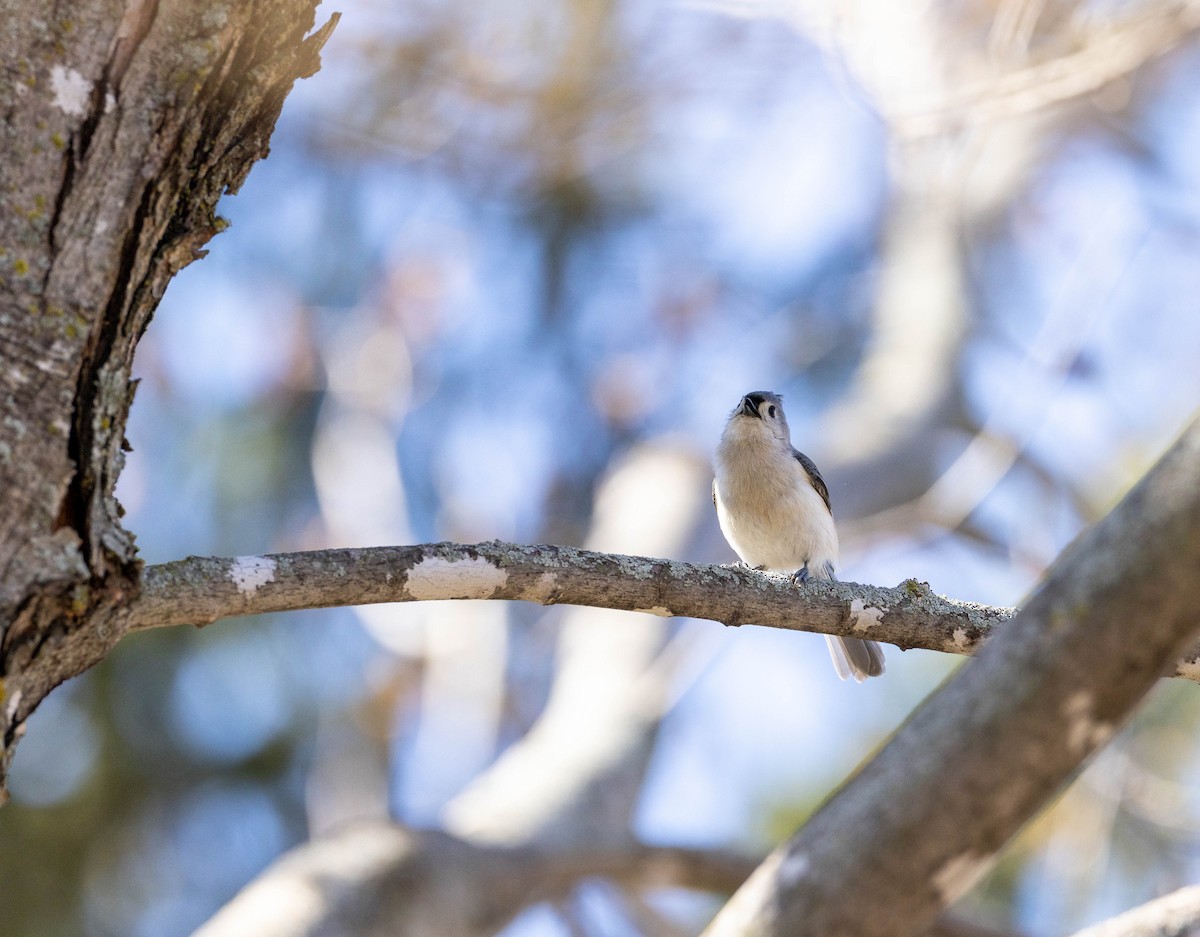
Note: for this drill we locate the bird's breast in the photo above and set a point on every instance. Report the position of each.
(774, 518)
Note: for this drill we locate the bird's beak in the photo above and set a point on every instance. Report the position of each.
(748, 407)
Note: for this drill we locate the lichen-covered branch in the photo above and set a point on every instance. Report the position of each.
(200, 590)
(921, 822)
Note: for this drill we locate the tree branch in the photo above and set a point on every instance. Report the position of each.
(1173, 915)
(201, 590)
(952, 924)
(383, 879)
(1114, 50)
(922, 821)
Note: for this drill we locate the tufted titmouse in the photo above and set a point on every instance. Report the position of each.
(773, 508)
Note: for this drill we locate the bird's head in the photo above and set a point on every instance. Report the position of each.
(758, 413)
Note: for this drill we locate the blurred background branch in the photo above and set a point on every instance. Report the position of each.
(384, 880)
(1173, 915)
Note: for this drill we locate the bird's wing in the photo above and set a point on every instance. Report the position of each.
(714, 492)
(814, 475)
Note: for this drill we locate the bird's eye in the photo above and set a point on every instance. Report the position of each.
(771, 410)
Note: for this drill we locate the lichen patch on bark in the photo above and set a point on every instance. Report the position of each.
(864, 616)
(71, 91)
(249, 573)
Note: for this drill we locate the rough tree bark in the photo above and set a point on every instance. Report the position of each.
(123, 124)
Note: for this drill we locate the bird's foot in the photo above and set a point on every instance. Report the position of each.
(800, 576)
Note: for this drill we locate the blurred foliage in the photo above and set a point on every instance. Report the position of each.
(497, 245)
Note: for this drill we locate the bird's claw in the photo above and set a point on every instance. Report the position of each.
(800, 576)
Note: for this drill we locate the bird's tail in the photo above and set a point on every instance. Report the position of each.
(854, 657)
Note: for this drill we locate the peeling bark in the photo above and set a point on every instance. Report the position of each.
(122, 125)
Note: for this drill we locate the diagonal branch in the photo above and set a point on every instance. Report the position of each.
(1112, 51)
(921, 822)
(201, 590)
(1173, 915)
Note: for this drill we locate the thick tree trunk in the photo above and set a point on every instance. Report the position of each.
(123, 124)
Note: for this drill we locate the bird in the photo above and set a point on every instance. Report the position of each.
(773, 508)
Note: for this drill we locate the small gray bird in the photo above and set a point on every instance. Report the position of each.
(773, 508)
